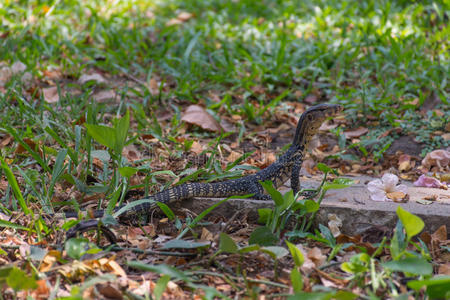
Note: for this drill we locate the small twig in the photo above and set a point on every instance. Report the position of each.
(329, 265)
(164, 253)
(135, 79)
(239, 278)
(227, 224)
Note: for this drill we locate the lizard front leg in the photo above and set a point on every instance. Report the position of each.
(258, 192)
(295, 176)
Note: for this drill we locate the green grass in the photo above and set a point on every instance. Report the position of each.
(383, 60)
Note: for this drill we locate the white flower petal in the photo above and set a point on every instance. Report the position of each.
(401, 188)
(378, 196)
(389, 181)
(375, 185)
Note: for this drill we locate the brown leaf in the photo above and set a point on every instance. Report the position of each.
(197, 115)
(91, 77)
(356, 133)
(4, 141)
(404, 163)
(440, 234)
(109, 291)
(444, 269)
(398, 197)
(316, 256)
(51, 94)
(20, 149)
(104, 96)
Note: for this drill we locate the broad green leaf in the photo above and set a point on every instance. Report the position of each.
(296, 280)
(264, 215)
(338, 183)
(311, 206)
(276, 195)
(18, 280)
(263, 236)
(127, 171)
(412, 223)
(103, 135)
(414, 265)
(276, 252)
(182, 244)
(297, 255)
(227, 244)
(324, 168)
(437, 287)
(77, 247)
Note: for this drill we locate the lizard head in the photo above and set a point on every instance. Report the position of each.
(311, 119)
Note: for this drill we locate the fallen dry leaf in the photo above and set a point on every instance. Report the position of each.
(104, 96)
(197, 115)
(398, 196)
(404, 163)
(51, 94)
(444, 269)
(21, 150)
(356, 133)
(334, 224)
(91, 77)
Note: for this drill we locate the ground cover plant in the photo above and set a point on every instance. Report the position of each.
(107, 102)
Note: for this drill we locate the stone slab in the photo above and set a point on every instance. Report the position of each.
(351, 205)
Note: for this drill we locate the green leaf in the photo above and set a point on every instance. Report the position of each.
(161, 286)
(412, 223)
(263, 236)
(8, 224)
(276, 195)
(182, 244)
(311, 206)
(249, 248)
(296, 280)
(227, 244)
(127, 171)
(264, 215)
(103, 135)
(166, 210)
(296, 253)
(312, 296)
(276, 252)
(324, 168)
(14, 186)
(414, 265)
(121, 128)
(18, 280)
(58, 168)
(437, 287)
(338, 183)
(77, 247)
